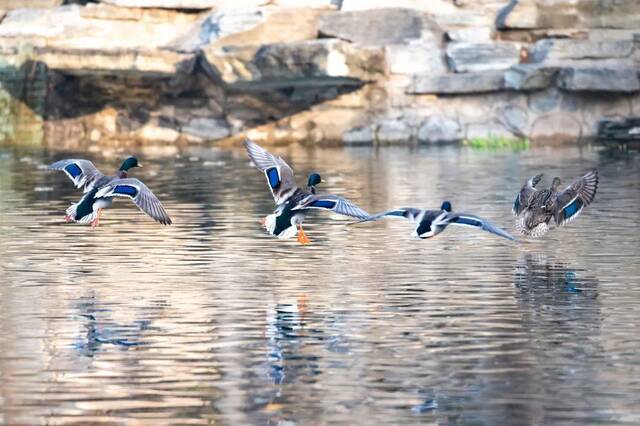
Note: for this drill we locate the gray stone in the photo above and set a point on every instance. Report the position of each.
(556, 127)
(189, 4)
(377, 27)
(424, 58)
(393, 131)
(470, 34)
(307, 63)
(529, 77)
(207, 128)
(478, 57)
(544, 101)
(555, 51)
(457, 83)
(358, 136)
(516, 120)
(439, 129)
(599, 79)
(487, 129)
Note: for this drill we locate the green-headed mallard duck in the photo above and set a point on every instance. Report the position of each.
(535, 207)
(99, 191)
(292, 202)
(430, 223)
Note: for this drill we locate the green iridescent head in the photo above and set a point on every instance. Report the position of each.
(129, 163)
(314, 179)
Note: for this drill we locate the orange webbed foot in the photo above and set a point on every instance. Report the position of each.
(302, 237)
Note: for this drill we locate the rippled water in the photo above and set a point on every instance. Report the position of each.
(213, 321)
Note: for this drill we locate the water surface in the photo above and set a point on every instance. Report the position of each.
(213, 321)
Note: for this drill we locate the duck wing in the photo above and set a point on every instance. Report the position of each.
(334, 203)
(570, 202)
(523, 197)
(140, 194)
(473, 221)
(409, 213)
(81, 172)
(278, 173)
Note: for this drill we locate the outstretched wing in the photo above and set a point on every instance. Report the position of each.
(523, 197)
(335, 204)
(279, 175)
(571, 201)
(464, 219)
(81, 172)
(140, 194)
(409, 213)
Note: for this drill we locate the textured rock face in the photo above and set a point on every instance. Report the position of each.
(350, 71)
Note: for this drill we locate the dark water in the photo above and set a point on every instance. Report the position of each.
(213, 321)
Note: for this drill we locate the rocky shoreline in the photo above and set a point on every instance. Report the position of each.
(319, 71)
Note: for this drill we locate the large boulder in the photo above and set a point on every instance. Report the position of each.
(555, 51)
(241, 27)
(377, 27)
(478, 57)
(308, 63)
(532, 14)
(416, 58)
(99, 39)
(439, 129)
(556, 127)
(599, 79)
(189, 4)
(393, 131)
(529, 77)
(449, 84)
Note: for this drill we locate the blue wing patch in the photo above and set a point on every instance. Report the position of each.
(516, 204)
(572, 208)
(273, 176)
(467, 221)
(323, 204)
(129, 190)
(400, 213)
(74, 170)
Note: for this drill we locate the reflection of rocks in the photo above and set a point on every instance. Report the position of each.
(315, 70)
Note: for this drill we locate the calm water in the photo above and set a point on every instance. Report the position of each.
(213, 321)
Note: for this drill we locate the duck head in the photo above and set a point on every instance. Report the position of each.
(446, 206)
(555, 184)
(130, 163)
(314, 179)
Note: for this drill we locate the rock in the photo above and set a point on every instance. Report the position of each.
(241, 27)
(522, 14)
(556, 127)
(529, 77)
(627, 129)
(310, 63)
(207, 128)
(544, 101)
(358, 136)
(431, 6)
(378, 27)
(155, 133)
(415, 59)
(555, 51)
(457, 83)
(65, 38)
(189, 4)
(516, 120)
(29, 4)
(393, 131)
(439, 129)
(478, 57)
(470, 34)
(599, 79)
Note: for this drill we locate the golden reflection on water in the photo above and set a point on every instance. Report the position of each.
(211, 320)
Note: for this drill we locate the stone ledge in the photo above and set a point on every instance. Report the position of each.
(621, 80)
(308, 63)
(461, 83)
(479, 57)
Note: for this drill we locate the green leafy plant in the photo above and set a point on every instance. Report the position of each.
(497, 143)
